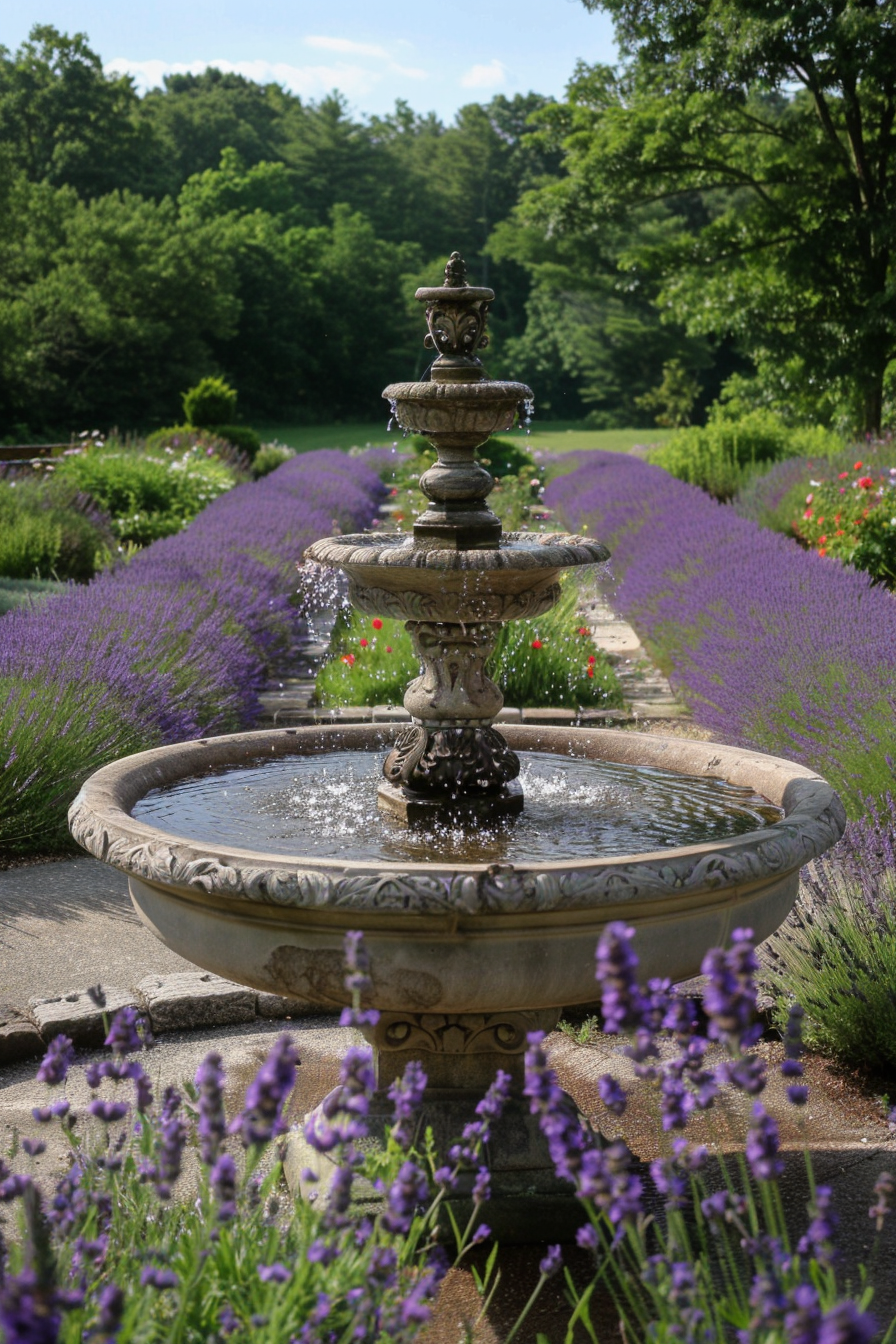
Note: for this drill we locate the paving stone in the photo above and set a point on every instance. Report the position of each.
(76, 1015)
(20, 1040)
(195, 999)
(274, 1005)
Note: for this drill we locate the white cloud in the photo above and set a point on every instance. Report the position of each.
(346, 47)
(490, 76)
(309, 81)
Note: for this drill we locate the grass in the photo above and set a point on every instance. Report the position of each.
(550, 436)
(20, 592)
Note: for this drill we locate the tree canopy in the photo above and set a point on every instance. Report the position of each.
(765, 130)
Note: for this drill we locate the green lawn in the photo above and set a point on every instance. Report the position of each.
(553, 436)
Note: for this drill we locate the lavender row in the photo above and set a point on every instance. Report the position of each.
(171, 646)
(773, 647)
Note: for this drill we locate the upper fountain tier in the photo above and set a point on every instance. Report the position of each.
(457, 566)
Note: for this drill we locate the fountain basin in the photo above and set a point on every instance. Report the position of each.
(449, 938)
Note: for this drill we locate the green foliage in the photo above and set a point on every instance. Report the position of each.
(721, 455)
(536, 663)
(148, 496)
(83, 726)
(23, 592)
(852, 515)
(769, 145)
(673, 401)
(211, 402)
(48, 532)
(269, 457)
(240, 437)
(836, 956)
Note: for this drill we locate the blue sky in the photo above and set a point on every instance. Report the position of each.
(436, 57)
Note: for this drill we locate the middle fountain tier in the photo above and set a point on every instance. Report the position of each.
(457, 578)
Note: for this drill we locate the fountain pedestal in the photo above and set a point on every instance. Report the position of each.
(461, 1054)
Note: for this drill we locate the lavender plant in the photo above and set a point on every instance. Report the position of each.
(773, 647)
(721, 1262)
(116, 1251)
(171, 646)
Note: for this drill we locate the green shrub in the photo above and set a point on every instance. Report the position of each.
(211, 402)
(536, 663)
(239, 436)
(49, 531)
(148, 496)
(269, 458)
(723, 454)
(836, 956)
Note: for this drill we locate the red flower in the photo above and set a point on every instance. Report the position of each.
(822, 540)
(823, 551)
(349, 659)
(857, 466)
(866, 482)
(377, 623)
(591, 671)
(583, 630)
(363, 643)
(591, 660)
(843, 475)
(536, 643)
(388, 648)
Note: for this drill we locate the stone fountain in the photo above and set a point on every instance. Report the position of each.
(467, 957)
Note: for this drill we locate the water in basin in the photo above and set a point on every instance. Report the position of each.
(325, 807)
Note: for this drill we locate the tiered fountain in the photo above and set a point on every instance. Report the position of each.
(467, 956)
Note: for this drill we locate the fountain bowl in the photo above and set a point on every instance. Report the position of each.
(453, 938)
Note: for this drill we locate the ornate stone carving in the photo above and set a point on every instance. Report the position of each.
(453, 683)
(454, 607)
(459, 1033)
(456, 313)
(451, 761)
(814, 824)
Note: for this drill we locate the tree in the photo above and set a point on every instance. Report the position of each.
(64, 121)
(768, 129)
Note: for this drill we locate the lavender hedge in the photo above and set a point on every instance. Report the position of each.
(171, 646)
(773, 647)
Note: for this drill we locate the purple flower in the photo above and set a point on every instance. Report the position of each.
(551, 1261)
(262, 1116)
(884, 1188)
(406, 1094)
(124, 1038)
(59, 1109)
(818, 1236)
(845, 1324)
(407, 1193)
(616, 973)
(34, 1147)
(172, 1136)
(54, 1066)
(482, 1186)
(111, 1304)
(222, 1179)
(357, 963)
(151, 1276)
(212, 1123)
(762, 1146)
(729, 1000)
(275, 1273)
(587, 1237)
(108, 1111)
(611, 1094)
(26, 1315)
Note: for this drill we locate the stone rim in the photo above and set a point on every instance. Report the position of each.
(100, 821)
(519, 550)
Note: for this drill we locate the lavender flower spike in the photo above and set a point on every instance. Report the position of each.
(56, 1062)
(212, 1123)
(262, 1115)
(762, 1146)
(617, 975)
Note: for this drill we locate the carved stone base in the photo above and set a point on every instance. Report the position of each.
(416, 809)
(461, 1053)
(451, 762)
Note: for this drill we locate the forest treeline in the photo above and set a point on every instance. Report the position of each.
(684, 225)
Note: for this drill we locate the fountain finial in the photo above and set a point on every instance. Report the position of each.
(455, 271)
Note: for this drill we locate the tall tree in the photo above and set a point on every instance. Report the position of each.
(64, 121)
(769, 127)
